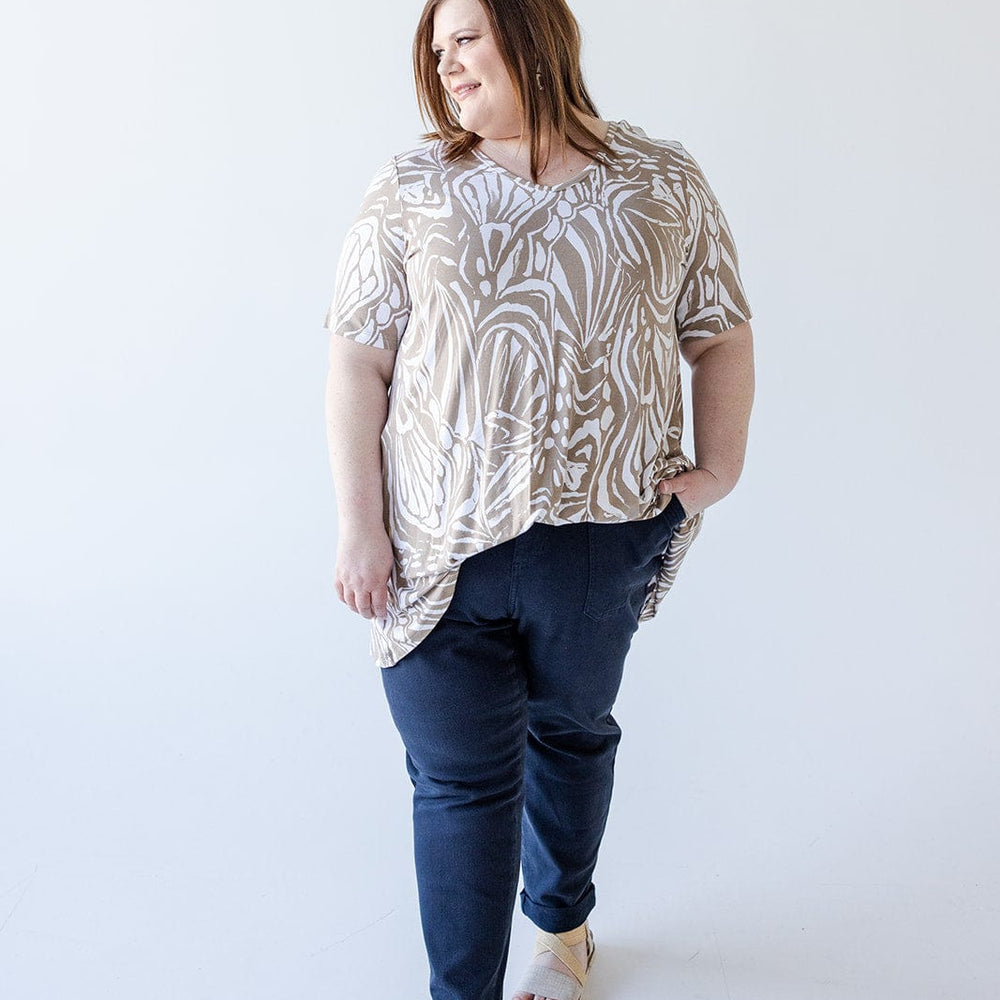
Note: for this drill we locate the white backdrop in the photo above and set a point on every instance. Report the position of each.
(203, 794)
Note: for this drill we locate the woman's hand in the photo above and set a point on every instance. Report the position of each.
(696, 489)
(364, 564)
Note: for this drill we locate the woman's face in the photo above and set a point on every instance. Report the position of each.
(467, 54)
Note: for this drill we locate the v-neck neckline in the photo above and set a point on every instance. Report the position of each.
(578, 178)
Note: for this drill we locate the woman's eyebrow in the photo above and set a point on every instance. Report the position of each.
(461, 31)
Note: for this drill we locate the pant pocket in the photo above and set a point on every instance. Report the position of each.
(623, 555)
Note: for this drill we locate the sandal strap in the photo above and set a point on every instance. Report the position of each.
(546, 941)
(549, 983)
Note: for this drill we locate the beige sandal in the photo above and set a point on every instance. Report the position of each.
(543, 982)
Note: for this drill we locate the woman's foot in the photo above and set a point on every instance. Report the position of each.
(576, 941)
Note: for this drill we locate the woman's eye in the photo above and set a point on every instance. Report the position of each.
(464, 38)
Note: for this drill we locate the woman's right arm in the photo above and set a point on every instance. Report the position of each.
(356, 407)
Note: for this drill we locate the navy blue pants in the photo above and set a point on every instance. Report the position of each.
(504, 710)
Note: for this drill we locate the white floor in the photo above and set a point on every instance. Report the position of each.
(84, 921)
(265, 855)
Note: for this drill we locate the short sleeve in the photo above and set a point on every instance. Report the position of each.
(371, 301)
(711, 298)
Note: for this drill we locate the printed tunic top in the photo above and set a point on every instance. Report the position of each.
(536, 330)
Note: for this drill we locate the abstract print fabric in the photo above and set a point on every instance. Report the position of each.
(537, 369)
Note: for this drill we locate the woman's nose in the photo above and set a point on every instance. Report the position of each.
(446, 64)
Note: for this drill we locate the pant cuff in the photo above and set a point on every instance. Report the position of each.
(556, 919)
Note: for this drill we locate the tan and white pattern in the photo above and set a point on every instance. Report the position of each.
(536, 329)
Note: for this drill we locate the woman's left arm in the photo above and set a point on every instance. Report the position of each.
(722, 390)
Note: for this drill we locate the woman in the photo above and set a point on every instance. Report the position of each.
(504, 410)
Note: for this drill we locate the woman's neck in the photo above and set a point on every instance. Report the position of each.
(515, 147)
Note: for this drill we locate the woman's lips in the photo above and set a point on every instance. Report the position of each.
(463, 91)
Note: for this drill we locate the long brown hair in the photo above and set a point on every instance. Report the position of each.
(530, 35)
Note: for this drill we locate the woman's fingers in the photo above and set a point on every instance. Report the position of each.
(364, 564)
(379, 600)
(696, 489)
(369, 603)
